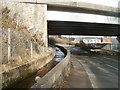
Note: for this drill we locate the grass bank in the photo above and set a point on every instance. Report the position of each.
(116, 57)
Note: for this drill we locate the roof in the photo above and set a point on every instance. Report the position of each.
(92, 38)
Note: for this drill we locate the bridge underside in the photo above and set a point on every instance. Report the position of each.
(84, 10)
(82, 28)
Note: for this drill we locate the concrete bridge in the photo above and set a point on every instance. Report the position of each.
(30, 21)
(61, 17)
(74, 6)
(68, 17)
(79, 18)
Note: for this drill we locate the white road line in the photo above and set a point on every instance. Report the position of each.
(90, 74)
(91, 81)
(98, 66)
(108, 64)
(103, 70)
(92, 77)
(111, 59)
(112, 66)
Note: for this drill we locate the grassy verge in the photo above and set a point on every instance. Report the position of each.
(116, 57)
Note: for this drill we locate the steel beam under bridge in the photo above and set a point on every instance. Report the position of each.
(82, 28)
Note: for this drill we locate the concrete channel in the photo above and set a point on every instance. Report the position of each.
(56, 76)
(30, 81)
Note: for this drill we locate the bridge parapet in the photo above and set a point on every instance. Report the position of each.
(85, 5)
(80, 6)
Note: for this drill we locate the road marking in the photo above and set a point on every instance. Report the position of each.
(112, 66)
(90, 74)
(98, 66)
(91, 81)
(86, 61)
(103, 70)
(108, 64)
(105, 64)
(111, 59)
(93, 62)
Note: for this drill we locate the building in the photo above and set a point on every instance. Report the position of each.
(91, 40)
(106, 40)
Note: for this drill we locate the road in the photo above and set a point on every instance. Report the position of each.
(102, 71)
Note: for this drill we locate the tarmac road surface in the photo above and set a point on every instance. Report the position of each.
(102, 71)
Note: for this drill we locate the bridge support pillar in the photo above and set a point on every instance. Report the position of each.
(118, 37)
(32, 17)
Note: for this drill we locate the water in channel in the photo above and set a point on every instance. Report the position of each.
(29, 81)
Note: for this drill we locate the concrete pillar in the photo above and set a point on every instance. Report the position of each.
(118, 38)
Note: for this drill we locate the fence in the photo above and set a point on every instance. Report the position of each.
(112, 47)
(21, 54)
(17, 46)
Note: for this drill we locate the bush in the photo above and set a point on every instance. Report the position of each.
(82, 46)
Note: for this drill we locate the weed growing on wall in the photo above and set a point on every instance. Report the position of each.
(9, 21)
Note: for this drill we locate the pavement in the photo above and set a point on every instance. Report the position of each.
(78, 77)
(92, 71)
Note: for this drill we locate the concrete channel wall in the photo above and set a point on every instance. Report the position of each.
(55, 77)
(22, 71)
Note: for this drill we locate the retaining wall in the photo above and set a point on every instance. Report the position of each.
(56, 76)
(23, 40)
(22, 71)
